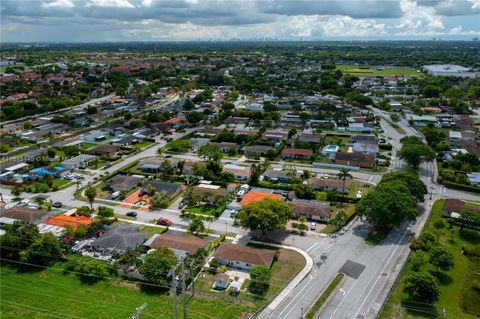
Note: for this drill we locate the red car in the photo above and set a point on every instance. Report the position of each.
(164, 222)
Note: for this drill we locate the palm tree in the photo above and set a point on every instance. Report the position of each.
(196, 225)
(160, 152)
(16, 192)
(209, 219)
(343, 175)
(265, 164)
(90, 193)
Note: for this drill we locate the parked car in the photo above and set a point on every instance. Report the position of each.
(168, 156)
(107, 166)
(22, 203)
(182, 204)
(358, 194)
(164, 222)
(57, 204)
(313, 226)
(132, 214)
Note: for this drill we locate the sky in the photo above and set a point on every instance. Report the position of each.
(182, 20)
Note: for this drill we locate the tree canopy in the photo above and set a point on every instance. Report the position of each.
(156, 265)
(265, 215)
(388, 205)
(414, 151)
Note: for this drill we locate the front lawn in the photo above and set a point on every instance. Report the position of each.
(46, 293)
(200, 210)
(457, 286)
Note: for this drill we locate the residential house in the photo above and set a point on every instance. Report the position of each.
(474, 179)
(310, 138)
(127, 140)
(222, 281)
(81, 160)
(25, 214)
(105, 150)
(259, 150)
(241, 173)
(243, 257)
(226, 147)
(326, 185)
(72, 220)
(254, 107)
(254, 196)
(119, 239)
(452, 207)
(296, 153)
(313, 210)
(363, 139)
(237, 120)
(171, 189)
(124, 183)
(361, 127)
(454, 138)
(278, 176)
(151, 165)
(171, 124)
(213, 190)
(95, 136)
(197, 142)
(355, 159)
(366, 148)
(182, 245)
(274, 136)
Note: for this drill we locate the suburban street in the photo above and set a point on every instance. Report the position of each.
(371, 270)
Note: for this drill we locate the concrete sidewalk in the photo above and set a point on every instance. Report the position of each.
(288, 289)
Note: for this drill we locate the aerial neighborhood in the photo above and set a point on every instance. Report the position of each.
(257, 182)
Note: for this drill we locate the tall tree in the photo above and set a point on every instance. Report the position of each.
(440, 258)
(196, 225)
(211, 152)
(156, 266)
(414, 151)
(421, 286)
(266, 215)
(91, 193)
(388, 205)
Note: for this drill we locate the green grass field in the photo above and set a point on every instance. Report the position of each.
(456, 291)
(50, 293)
(373, 71)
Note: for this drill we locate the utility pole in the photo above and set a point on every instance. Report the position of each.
(138, 311)
(174, 290)
(183, 291)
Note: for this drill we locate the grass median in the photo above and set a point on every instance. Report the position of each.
(324, 296)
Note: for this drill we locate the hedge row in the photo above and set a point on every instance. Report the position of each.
(463, 187)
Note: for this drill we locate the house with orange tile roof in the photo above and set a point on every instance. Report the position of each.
(72, 220)
(253, 197)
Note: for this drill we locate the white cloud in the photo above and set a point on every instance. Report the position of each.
(110, 3)
(146, 3)
(59, 4)
(417, 18)
(475, 4)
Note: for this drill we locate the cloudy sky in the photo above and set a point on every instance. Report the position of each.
(159, 20)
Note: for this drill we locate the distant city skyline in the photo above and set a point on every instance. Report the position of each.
(184, 20)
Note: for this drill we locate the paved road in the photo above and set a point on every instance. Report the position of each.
(362, 293)
(75, 107)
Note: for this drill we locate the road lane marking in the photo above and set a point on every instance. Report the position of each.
(378, 277)
(311, 247)
(389, 251)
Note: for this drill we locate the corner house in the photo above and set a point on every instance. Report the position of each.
(243, 257)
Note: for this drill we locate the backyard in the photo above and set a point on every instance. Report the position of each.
(458, 294)
(41, 293)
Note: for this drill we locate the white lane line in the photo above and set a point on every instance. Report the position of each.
(351, 289)
(379, 276)
(318, 247)
(293, 299)
(311, 247)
